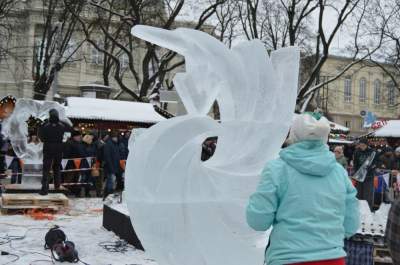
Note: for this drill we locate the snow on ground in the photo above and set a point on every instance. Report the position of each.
(82, 224)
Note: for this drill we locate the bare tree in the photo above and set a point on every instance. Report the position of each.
(54, 47)
(146, 63)
(302, 23)
(388, 58)
(6, 27)
(227, 27)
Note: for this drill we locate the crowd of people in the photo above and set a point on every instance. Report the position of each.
(384, 161)
(100, 170)
(99, 158)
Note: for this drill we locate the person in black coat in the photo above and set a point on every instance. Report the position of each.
(15, 166)
(51, 133)
(124, 145)
(365, 190)
(112, 157)
(90, 151)
(74, 149)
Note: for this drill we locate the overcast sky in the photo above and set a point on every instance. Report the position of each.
(192, 10)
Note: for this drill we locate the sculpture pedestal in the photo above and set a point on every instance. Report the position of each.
(117, 220)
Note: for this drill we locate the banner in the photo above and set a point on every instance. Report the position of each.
(89, 160)
(386, 177)
(77, 162)
(369, 119)
(64, 163)
(9, 159)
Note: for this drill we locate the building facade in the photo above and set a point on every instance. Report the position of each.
(83, 76)
(361, 89)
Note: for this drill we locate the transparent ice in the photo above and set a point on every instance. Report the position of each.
(189, 212)
(15, 127)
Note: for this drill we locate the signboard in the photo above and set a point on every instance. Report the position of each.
(378, 124)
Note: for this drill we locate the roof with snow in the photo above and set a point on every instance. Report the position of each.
(339, 141)
(338, 127)
(391, 129)
(111, 110)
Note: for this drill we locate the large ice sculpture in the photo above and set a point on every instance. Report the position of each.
(189, 212)
(16, 128)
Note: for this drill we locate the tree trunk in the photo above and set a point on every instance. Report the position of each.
(40, 88)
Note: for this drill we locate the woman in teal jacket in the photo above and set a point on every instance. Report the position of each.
(307, 198)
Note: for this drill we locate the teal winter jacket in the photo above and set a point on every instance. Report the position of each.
(306, 196)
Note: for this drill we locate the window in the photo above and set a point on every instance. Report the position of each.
(361, 125)
(70, 51)
(391, 94)
(363, 90)
(96, 56)
(347, 90)
(124, 61)
(377, 92)
(347, 124)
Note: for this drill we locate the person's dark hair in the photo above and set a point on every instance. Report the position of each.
(114, 134)
(53, 116)
(75, 133)
(363, 141)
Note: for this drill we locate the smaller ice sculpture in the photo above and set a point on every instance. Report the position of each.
(15, 127)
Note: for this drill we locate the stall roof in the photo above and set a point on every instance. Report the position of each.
(339, 141)
(391, 129)
(111, 110)
(335, 126)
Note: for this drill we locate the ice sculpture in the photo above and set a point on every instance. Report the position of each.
(16, 128)
(188, 212)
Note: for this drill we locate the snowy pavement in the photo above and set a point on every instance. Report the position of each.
(82, 224)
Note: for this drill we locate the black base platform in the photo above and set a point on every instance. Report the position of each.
(121, 225)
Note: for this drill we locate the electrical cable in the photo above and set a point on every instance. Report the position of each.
(41, 260)
(5, 253)
(8, 238)
(84, 263)
(119, 246)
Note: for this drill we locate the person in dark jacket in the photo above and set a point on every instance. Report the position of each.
(393, 231)
(51, 133)
(74, 150)
(15, 166)
(90, 153)
(124, 145)
(100, 143)
(112, 159)
(365, 190)
(387, 159)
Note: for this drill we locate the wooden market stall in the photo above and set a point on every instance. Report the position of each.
(104, 114)
(339, 134)
(387, 133)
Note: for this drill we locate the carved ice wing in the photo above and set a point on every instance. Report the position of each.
(186, 211)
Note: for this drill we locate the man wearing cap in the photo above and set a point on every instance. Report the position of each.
(112, 159)
(51, 133)
(365, 190)
(308, 199)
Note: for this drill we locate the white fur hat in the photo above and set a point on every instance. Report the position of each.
(306, 127)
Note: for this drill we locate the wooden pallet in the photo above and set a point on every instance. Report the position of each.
(34, 199)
